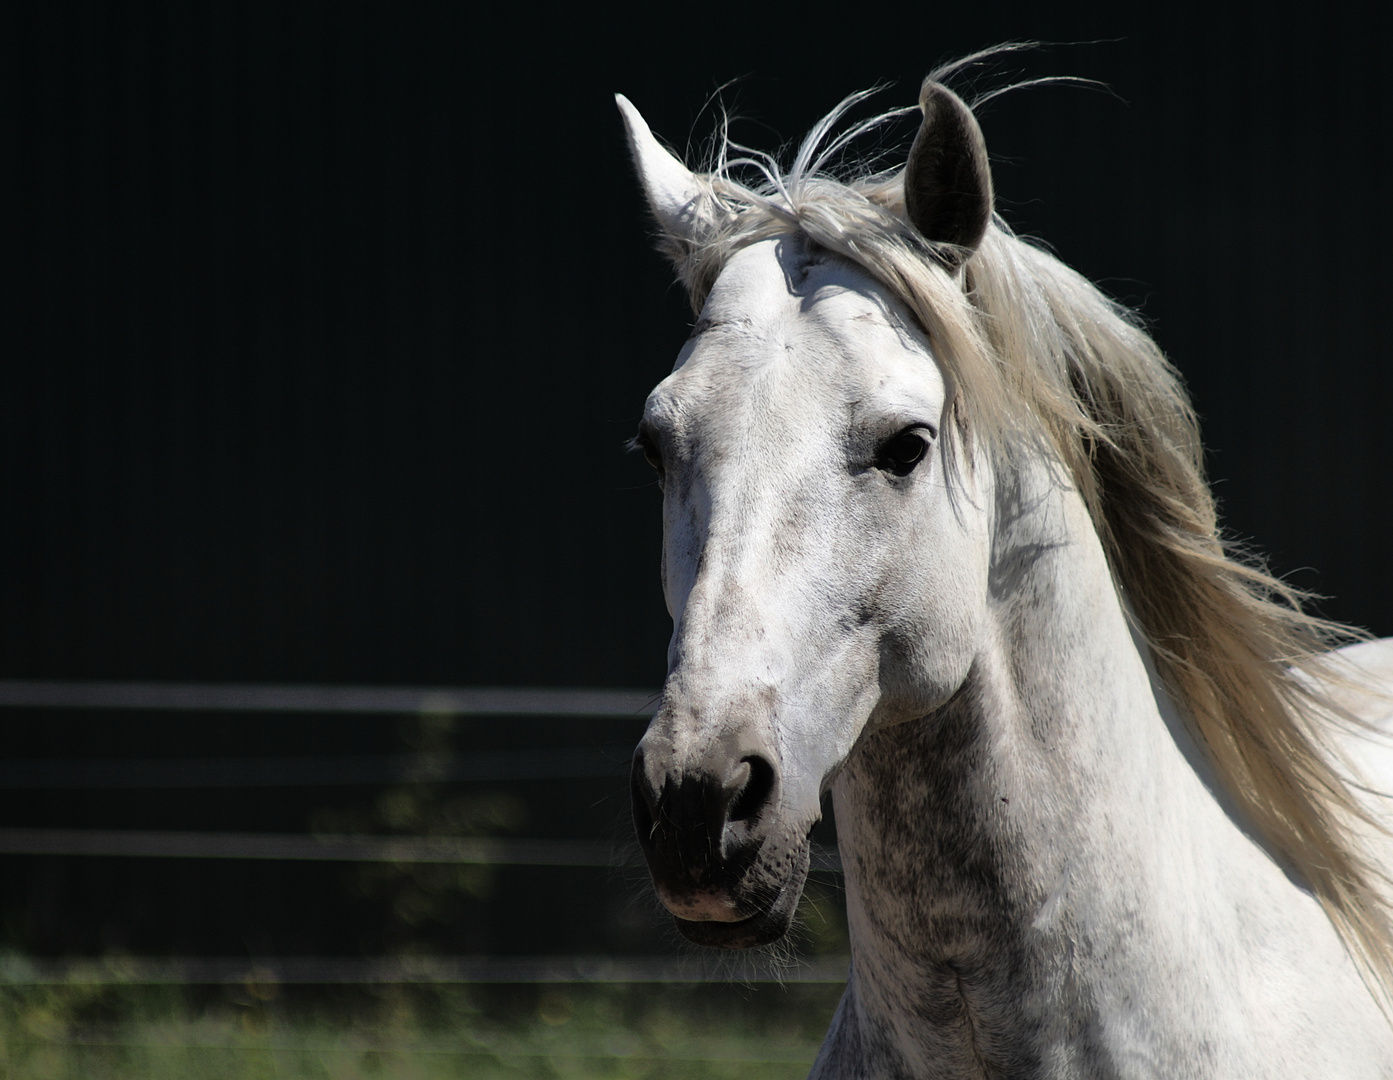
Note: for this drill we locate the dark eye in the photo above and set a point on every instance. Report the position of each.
(650, 452)
(902, 452)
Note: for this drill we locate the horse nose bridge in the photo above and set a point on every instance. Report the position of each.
(741, 606)
(735, 618)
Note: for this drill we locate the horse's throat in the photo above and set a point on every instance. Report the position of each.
(970, 840)
(943, 941)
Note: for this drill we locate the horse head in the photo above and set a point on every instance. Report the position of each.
(826, 543)
(937, 538)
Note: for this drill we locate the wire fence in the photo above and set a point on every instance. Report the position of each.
(570, 763)
(200, 697)
(590, 760)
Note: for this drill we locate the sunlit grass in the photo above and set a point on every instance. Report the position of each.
(560, 1032)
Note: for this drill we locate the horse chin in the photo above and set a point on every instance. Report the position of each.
(762, 928)
(748, 933)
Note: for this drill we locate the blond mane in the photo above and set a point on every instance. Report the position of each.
(1039, 356)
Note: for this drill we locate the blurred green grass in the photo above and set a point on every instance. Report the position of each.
(96, 1031)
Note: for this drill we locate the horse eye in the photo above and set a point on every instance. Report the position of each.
(903, 452)
(650, 452)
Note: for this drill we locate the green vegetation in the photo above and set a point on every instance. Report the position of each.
(96, 1031)
(108, 1022)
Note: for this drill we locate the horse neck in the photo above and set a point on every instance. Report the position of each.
(1042, 850)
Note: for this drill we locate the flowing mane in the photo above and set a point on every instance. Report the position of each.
(1037, 353)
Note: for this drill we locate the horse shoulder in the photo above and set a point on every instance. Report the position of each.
(1366, 749)
(1371, 664)
(1365, 687)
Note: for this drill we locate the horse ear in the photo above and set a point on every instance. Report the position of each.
(674, 195)
(948, 181)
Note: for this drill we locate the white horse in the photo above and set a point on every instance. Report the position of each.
(937, 538)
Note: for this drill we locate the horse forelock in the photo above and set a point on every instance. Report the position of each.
(1038, 357)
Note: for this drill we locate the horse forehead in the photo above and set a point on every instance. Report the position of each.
(780, 288)
(785, 326)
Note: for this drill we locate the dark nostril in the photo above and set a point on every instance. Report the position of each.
(750, 801)
(643, 798)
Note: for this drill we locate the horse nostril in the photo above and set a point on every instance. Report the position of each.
(750, 800)
(643, 798)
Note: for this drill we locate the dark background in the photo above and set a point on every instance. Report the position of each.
(325, 324)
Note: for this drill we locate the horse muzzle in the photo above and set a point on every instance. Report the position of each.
(719, 862)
